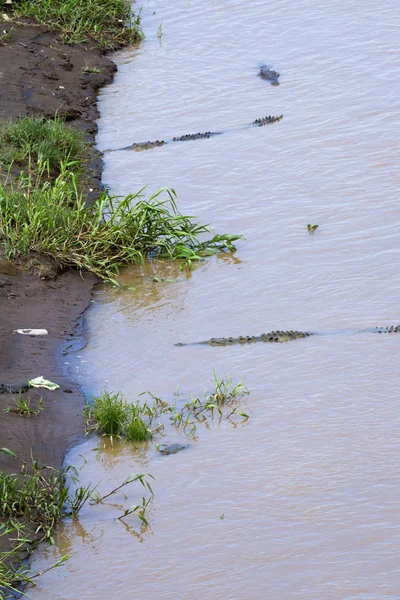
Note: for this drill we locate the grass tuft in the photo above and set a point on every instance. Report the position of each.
(109, 410)
(31, 142)
(33, 501)
(112, 416)
(110, 22)
(22, 406)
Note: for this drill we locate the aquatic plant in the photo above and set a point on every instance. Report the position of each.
(111, 415)
(225, 394)
(13, 573)
(34, 500)
(39, 495)
(139, 509)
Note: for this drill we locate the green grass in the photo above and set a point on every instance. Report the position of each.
(22, 406)
(221, 402)
(33, 501)
(14, 574)
(112, 416)
(52, 219)
(111, 22)
(109, 410)
(30, 142)
(39, 496)
(136, 429)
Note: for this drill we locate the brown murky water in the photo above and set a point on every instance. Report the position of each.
(310, 486)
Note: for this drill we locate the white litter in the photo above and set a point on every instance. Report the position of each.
(31, 331)
(43, 383)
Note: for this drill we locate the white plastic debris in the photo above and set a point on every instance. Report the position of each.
(43, 383)
(31, 331)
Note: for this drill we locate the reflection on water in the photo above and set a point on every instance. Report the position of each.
(309, 485)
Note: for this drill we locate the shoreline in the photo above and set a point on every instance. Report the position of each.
(41, 76)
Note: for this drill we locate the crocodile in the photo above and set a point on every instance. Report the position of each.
(278, 337)
(172, 448)
(138, 146)
(266, 120)
(269, 75)
(196, 136)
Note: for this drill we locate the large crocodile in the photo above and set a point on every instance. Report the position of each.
(279, 337)
(197, 136)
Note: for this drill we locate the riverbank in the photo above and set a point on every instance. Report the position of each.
(42, 76)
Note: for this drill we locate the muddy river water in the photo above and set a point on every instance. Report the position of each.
(302, 500)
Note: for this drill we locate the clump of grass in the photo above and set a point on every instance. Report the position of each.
(13, 574)
(33, 501)
(38, 495)
(52, 219)
(31, 142)
(111, 22)
(109, 410)
(22, 406)
(222, 401)
(112, 416)
(225, 391)
(136, 429)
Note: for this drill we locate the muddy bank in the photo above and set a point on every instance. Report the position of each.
(41, 76)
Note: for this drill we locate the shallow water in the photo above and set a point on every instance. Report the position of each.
(309, 485)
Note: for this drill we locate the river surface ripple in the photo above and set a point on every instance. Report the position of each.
(309, 486)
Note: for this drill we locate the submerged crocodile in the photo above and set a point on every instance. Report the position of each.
(172, 448)
(197, 136)
(268, 75)
(279, 337)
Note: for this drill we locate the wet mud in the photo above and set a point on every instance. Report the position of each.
(41, 76)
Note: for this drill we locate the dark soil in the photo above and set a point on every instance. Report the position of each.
(41, 76)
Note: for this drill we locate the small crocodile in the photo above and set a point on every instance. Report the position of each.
(172, 448)
(197, 136)
(268, 75)
(279, 337)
